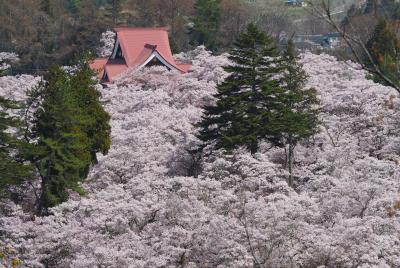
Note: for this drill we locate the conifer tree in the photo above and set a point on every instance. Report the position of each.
(206, 22)
(72, 6)
(294, 114)
(384, 47)
(14, 169)
(46, 7)
(114, 8)
(70, 126)
(244, 98)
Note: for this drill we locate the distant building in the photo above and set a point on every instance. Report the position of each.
(317, 41)
(295, 3)
(332, 39)
(137, 48)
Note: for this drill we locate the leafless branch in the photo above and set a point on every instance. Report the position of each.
(243, 220)
(323, 12)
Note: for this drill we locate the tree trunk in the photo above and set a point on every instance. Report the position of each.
(290, 163)
(41, 203)
(42, 207)
(253, 147)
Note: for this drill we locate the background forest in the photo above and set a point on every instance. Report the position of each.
(51, 31)
(44, 32)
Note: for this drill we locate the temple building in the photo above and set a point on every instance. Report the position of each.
(136, 48)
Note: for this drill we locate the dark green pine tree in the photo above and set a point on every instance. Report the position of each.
(72, 6)
(245, 97)
(206, 23)
(46, 7)
(94, 118)
(113, 10)
(14, 170)
(294, 116)
(70, 126)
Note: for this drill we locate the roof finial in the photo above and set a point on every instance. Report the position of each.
(152, 47)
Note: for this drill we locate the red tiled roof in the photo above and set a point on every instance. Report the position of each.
(184, 67)
(141, 57)
(98, 66)
(137, 45)
(134, 40)
(114, 67)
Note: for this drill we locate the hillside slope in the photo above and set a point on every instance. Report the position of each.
(144, 210)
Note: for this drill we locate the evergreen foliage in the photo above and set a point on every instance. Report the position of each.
(244, 99)
(384, 47)
(45, 6)
(206, 22)
(47, 32)
(14, 170)
(72, 6)
(261, 100)
(113, 10)
(70, 126)
(294, 116)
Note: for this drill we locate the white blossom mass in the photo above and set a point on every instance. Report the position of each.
(152, 203)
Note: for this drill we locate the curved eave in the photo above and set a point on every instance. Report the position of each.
(158, 55)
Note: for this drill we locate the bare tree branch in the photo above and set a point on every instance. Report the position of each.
(323, 12)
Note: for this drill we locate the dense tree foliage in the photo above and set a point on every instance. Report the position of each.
(14, 169)
(384, 47)
(47, 32)
(114, 11)
(205, 23)
(70, 126)
(143, 210)
(6, 59)
(244, 99)
(263, 99)
(387, 8)
(372, 9)
(150, 200)
(46, 7)
(294, 111)
(371, 33)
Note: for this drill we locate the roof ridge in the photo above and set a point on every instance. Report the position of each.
(137, 46)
